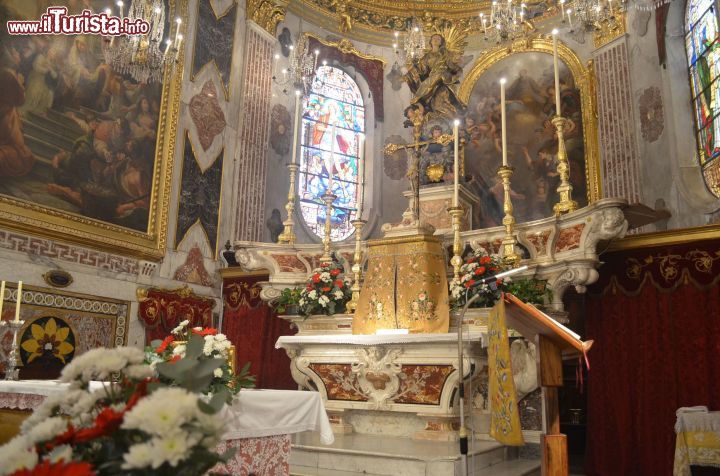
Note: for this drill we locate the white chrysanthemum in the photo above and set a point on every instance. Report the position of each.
(138, 456)
(171, 449)
(162, 412)
(338, 294)
(100, 363)
(218, 373)
(139, 372)
(180, 327)
(179, 350)
(19, 453)
(86, 402)
(47, 430)
(301, 303)
(312, 294)
(325, 277)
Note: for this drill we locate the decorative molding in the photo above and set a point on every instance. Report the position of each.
(193, 271)
(33, 245)
(610, 30)
(267, 13)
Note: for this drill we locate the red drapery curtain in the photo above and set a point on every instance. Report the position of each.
(252, 326)
(655, 317)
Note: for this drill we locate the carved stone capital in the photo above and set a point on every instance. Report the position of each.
(606, 224)
(576, 275)
(267, 13)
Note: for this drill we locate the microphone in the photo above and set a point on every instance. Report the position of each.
(497, 276)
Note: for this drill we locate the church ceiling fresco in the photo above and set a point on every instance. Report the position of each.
(83, 148)
(389, 16)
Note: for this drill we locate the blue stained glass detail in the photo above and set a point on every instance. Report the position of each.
(703, 53)
(333, 121)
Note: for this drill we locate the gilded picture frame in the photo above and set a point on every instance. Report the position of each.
(38, 218)
(584, 81)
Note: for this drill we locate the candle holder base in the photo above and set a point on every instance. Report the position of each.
(11, 370)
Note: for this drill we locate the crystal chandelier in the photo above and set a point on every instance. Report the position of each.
(506, 21)
(141, 56)
(301, 67)
(414, 43)
(593, 14)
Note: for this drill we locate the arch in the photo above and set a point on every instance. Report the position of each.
(700, 28)
(584, 79)
(333, 123)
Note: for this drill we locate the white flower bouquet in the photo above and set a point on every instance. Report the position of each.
(132, 426)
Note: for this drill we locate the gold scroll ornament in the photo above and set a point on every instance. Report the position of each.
(405, 287)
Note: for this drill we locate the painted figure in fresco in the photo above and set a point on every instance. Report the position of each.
(431, 79)
(16, 159)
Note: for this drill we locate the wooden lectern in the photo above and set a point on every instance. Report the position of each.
(551, 339)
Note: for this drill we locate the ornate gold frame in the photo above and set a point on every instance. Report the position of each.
(70, 227)
(584, 79)
(347, 47)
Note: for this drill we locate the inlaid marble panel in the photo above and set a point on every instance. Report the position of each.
(214, 40)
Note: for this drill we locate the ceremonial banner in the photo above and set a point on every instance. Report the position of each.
(405, 287)
(504, 415)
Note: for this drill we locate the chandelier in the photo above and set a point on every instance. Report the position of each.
(506, 21)
(414, 43)
(142, 56)
(301, 67)
(594, 14)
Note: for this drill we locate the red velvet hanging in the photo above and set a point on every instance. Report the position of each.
(253, 327)
(161, 310)
(655, 316)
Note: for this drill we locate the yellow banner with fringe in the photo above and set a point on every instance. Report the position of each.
(504, 414)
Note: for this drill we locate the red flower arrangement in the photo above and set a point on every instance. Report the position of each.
(326, 292)
(477, 267)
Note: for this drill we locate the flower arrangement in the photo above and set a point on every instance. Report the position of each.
(193, 346)
(326, 291)
(289, 299)
(134, 425)
(477, 266)
(530, 290)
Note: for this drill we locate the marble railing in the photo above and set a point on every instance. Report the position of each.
(562, 250)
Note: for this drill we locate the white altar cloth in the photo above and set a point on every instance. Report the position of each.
(256, 413)
(376, 339)
(252, 414)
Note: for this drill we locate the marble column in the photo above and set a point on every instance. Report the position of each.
(254, 133)
(616, 123)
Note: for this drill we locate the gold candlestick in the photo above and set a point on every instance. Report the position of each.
(328, 197)
(566, 203)
(510, 256)
(357, 265)
(287, 237)
(456, 261)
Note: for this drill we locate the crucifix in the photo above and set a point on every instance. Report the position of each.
(414, 151)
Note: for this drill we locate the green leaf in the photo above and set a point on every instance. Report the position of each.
(194, 346)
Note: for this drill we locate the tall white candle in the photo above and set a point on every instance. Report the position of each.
(562, 9)
(569, 12)
(19, 299)
(297, 127)
(2, 297)
(361, 174)
(502, 122)
(456, 163)
(557, 73)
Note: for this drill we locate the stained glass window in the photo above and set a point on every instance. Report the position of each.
(701, 43)
(333, 122)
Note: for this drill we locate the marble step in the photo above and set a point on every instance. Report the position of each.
(393, 456)
(518, 467)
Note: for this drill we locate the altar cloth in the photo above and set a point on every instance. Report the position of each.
(384, 339)
(698, 440)
(256, 413)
